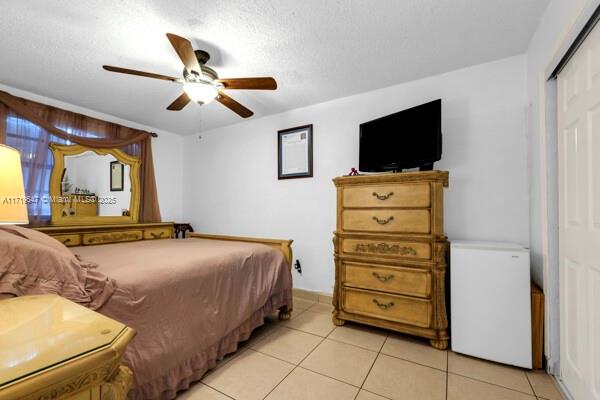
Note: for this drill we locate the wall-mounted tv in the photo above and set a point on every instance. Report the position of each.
(407, 139)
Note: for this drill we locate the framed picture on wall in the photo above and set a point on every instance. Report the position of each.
(295, 152)
(116, 176)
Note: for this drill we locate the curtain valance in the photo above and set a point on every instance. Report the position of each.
(51, 123)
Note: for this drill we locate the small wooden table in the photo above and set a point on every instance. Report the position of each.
(55, 349)
(182, 227)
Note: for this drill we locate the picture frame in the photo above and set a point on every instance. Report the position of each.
(116, 176)
(295, 152)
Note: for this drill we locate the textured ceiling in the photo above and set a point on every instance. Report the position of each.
(317, 50)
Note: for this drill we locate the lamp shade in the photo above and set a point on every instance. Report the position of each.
(13, 208)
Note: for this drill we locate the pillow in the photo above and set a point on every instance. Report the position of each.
(38, 237)
(28, 267)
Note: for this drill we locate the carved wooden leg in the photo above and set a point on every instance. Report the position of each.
(337, 321)
(285, 313)
(439, 344)
(118, 387)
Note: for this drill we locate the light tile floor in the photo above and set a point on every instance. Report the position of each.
(308, 358)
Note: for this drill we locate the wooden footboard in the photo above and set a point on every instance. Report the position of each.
(285, 246)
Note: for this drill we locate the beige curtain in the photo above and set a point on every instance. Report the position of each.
(30, 127)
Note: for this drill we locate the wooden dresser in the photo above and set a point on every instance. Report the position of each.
(85, 235)
(54, 349)
(390, 253)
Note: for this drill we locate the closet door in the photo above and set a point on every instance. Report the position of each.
(579, 219)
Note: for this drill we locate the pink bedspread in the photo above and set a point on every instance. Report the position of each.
(191, 301)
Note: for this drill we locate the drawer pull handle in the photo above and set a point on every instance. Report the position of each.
(65, 241)
(157, 235)
(383, 221)
(383, 196)
(383, 306)
(383, 278)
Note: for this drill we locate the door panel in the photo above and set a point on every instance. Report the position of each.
(579, 219)
(594, 165)
(595, 331)
(571, 134)
(572, 305)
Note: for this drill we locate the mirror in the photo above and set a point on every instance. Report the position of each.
(93, 186)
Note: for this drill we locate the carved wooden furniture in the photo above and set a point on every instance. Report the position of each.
(182, 228)
(61, 203)
(83, 205)
(85, 235)
(390, 253)
(55, 349)
(537, 326)
(284, 246)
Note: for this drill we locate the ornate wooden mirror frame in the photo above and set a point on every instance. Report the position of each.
(56, 207)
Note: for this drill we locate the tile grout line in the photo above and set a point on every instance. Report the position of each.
(218, 391)
(493, 384)
(351, 344)
(293, 369)
(447, 372)
(241, 350)
(373, 364)
(370, 368)
(414, 362)
(378, 354)
(531, 385)
(322, 374)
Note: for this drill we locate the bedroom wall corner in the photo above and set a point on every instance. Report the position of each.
(230, 173)
(558, 27)
(167, 152)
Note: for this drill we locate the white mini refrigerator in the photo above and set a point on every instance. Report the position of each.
(490, 301)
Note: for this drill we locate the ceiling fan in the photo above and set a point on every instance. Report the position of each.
(201, 83)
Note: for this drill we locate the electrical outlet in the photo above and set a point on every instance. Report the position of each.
(298, 267)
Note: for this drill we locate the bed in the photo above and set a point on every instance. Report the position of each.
(191, 301)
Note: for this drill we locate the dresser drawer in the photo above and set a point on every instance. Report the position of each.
(390, 307)
(407, 281)
(157, 233)
(387, 221)
(391, 195)
(112, 237)
(69, 240)
(393, 249)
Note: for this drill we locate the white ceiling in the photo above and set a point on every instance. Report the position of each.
(317, 50)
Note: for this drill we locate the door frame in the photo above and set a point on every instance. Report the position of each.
(548, 143)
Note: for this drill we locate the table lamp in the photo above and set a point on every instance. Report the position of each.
(13, 208)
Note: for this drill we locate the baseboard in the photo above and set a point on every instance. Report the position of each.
(553, 369)
(562, 388)
(313, 296)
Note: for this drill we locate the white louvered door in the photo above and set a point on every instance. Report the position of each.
(579, 219)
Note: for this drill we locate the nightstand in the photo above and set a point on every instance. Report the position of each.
(54, 349)
(181, 227)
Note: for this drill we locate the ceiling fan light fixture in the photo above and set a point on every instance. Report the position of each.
(200, 92)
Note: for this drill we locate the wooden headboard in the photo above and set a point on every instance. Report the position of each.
(88, 235)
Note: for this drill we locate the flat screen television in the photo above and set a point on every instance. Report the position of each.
(407, 139)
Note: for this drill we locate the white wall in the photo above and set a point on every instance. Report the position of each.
(90, 171)
(558, 27)
(231, 184)
(167, 152)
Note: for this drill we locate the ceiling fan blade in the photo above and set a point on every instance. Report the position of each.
(266, 83)
(179, 103)
(138, 73)
(184, 50)
(233, 105)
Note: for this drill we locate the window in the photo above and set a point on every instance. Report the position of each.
(36, 160)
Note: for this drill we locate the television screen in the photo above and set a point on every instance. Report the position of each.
(407, 139)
